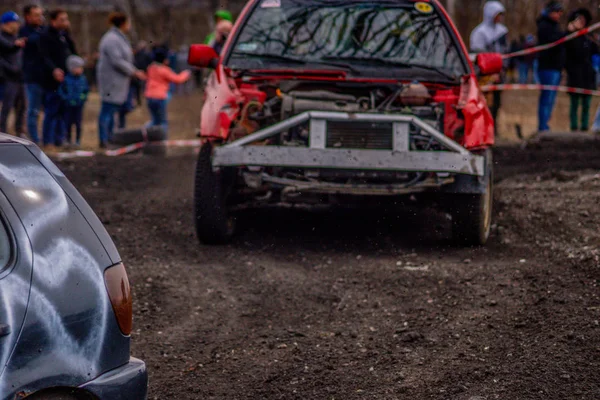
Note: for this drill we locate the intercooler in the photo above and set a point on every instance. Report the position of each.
(360, 135)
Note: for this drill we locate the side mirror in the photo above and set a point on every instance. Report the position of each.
(489, 63)
(203, 56)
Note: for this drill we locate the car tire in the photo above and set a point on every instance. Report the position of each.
(472, 213)
(214, 223)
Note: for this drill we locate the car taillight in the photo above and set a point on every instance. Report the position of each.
(119, 292)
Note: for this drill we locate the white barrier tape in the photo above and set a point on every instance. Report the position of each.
(565, 89)
(128, 149)
(560, 41)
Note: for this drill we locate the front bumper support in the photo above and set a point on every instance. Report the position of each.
(456, 159)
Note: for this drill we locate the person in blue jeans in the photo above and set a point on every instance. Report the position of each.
(74, 92)
(115, 71)
(32, 72)
(55, 46)
(160, 78)
(551, 61)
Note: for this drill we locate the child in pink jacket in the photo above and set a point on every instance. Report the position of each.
(160, 76)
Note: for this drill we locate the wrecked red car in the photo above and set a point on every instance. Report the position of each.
(333, 102)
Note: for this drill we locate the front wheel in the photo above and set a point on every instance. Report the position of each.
(472, 213)
(214, 222)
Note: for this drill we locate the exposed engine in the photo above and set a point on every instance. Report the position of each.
(272, 102)
(293, 98)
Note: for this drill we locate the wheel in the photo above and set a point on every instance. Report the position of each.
(472, 213)
(214, 223)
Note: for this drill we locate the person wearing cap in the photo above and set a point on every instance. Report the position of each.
(11, 65)
(220, 15)
(74, 92)
(491, 36)
(551, 61)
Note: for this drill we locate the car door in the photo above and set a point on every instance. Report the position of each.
(15, 282)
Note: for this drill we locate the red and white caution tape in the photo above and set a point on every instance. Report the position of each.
(128, 149)
(565, 89)
(124, 150)
(560, 41)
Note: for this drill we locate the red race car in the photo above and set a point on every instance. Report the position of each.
(331, 101)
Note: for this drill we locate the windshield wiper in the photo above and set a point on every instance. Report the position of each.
(275, 57)
(439, 70)
(298, 61)
(401, 64)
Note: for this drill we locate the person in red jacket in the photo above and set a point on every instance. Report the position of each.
(160, 76)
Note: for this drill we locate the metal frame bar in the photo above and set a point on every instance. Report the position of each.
(456, 160)
(340, 188)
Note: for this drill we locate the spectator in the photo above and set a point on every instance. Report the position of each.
(11, 65)
(530, 61)
(55, 46)
(551, 61)
(74, 91)
(115, 71)
(142, 60)
(515, 64)
(160, 76)
(32, 73)
(580, 69)
(491, 36)
(221, 33)
(220, 15)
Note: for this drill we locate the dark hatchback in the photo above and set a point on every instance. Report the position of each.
(65, 301)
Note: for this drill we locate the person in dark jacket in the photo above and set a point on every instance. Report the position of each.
(11, 66)
(55, 46)
(551, 61)
(74, 92)
(32, 59)
(580, 70)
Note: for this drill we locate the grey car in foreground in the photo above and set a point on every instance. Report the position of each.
(65, 301)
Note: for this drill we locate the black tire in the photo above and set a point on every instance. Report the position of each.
(126, 137)
(472, 213)
(214, 223)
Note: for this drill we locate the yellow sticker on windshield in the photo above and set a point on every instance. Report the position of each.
(424, 8)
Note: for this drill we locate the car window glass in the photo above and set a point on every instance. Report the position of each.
(363, 32)
(5, 247)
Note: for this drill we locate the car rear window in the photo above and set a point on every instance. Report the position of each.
(5, 247)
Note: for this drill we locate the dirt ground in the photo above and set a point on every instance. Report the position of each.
(309, 304)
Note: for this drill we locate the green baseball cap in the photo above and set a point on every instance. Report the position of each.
(224, 14)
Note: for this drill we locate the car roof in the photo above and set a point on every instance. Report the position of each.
(4, 138)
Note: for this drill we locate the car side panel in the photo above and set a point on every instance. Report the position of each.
(15, 282)
(70, 334)
(80, 202)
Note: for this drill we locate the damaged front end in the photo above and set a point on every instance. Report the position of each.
(308, 144)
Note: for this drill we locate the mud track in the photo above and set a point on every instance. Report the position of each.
(363, 305)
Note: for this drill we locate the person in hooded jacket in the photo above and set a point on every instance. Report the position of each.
(491, 37)
(580, 69)
(551, 61)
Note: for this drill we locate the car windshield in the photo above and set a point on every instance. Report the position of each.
(376, 38)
